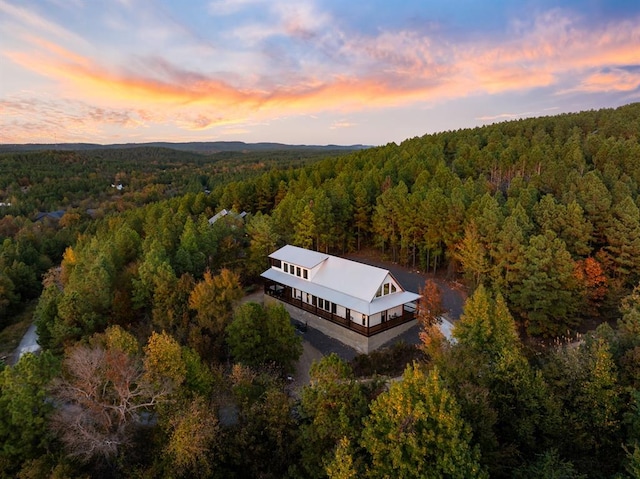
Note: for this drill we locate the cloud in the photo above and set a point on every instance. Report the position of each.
(300, 60)
(505, 116)
(33, 21)
(27, 118)
(228, 7)
(342, 124)
(616, 79)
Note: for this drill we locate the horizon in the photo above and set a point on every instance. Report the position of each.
(304, 73)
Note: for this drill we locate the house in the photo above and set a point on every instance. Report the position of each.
(51, 215)
(361, 305)
(224, 212)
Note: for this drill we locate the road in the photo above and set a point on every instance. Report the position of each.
(28, 344)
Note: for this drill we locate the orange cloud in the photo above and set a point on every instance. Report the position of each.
(613, 80)
(391, 69)
(411, 68)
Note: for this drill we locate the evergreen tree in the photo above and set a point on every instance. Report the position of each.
(623, 240)
(546, 297)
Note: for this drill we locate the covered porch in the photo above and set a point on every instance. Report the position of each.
(389, 319)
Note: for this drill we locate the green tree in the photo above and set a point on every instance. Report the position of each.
(472, 255)
(577, 231)
(362, 213)
(486, 326)
(623, 240)
(331, 407)
(155, 259)
(509, 254)
(506, 402)
(305, 231)
(263, 240)
(550, 466)
(259, 336)
(213, 300)
(585, 379)
(595, 199)
(548, 294)
(267, 428)
(25, 410)
(415, 430)
(8, 298)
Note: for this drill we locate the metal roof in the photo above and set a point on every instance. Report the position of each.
(338, 297)
(341, 281)
(299, 256)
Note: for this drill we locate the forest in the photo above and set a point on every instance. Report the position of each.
(151, 366)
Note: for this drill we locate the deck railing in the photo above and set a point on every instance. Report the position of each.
(284, 294)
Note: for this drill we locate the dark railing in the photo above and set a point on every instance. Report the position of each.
(283, 293)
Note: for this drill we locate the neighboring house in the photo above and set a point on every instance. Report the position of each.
(361, 305)
(51, 215)
(225, 212)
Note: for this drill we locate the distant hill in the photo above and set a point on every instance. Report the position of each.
(205, 147)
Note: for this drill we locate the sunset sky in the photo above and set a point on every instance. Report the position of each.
(304, 72)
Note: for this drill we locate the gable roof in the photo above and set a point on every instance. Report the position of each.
(345, 282)
(355, 279)
(54, 215)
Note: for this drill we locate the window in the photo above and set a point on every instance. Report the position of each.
(325, 304)
(386, 288)
(286, 267)
(298, 271)
(276, 263)
(305, 273)
(393, 288)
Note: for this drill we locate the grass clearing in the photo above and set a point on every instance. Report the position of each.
(11, 335)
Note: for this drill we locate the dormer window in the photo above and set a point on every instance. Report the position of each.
(295, 270)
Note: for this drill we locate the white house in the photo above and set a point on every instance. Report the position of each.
(350, 301)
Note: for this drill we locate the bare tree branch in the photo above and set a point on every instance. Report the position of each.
(101, 398)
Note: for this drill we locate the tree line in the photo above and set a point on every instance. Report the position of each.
(539, 217)
(83, 187)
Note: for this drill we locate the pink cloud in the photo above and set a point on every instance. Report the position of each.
(612, 80)
(347, 73)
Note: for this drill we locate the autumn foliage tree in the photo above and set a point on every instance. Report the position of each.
(428, 312)
(415, 431)
(193, 434)
(591, 277)
(102, 397)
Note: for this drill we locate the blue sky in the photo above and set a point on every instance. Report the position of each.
(304, 72)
